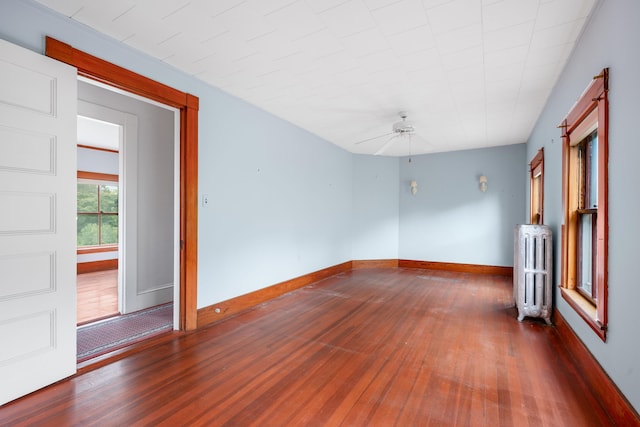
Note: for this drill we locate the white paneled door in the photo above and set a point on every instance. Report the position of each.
(38, 98)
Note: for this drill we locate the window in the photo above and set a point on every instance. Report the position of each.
(97, 210)
(587, 214)
(536, 183)
(584, 278)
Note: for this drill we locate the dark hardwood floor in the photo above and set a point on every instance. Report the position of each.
(371, 347)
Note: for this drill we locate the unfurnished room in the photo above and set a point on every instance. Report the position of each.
(319, 213)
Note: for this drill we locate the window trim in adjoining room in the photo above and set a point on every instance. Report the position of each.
(589, 113)
(94, 177)
(536, 168)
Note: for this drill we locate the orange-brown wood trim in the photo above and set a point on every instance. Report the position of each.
(97, 249)
(116, 76)
(374, 263)
(537, 159)
(564, 255)
(90, 147)
(595, 378)
(460, 268)
(189, 213)
(93, 266)
(97, 176)
(537, 164)
(224, 309)
(602, 220)
(593, 324)
(587, 102)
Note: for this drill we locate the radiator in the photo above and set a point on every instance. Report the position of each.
(532, 275)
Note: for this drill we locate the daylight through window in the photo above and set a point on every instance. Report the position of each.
(97, 213)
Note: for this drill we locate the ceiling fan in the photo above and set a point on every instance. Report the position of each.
(399, 130)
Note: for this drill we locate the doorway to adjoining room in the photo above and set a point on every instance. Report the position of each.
(125, 219)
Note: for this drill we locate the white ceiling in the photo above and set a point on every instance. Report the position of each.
(470, 73)
(96, 133)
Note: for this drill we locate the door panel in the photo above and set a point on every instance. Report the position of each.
(37, 221)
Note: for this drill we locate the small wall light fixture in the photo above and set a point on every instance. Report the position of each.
(414, 187)
(483, 183)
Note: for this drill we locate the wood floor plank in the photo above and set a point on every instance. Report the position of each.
(370, 347)
(97, 295)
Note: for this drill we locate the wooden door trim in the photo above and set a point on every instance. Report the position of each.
(113, 75)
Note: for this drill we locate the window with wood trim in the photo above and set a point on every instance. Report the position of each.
(584, 278)
(536, 184)
(587, 215)
(97, 210)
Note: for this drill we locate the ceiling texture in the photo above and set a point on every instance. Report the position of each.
(469, 73)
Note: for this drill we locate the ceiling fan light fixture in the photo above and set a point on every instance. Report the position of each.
(401, 131)
(403, 127)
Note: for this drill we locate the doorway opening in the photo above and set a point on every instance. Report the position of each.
(128, 218)
(98, 214)
(99, 70)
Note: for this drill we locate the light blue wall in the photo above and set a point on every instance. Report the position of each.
(610, 40)
(280, 203)
(97, 161)
(284, 202)
(280, 198)
(375, 207)
(450, 219)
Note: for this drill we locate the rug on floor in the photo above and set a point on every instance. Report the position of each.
(111, 334)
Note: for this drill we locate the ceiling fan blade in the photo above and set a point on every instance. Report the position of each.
(385, 146)
(375, 137)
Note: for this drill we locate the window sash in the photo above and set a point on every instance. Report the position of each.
(587, 255)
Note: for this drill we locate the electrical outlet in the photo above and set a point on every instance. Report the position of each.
(205, 200)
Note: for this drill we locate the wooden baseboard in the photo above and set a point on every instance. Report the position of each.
(595, 378)
(374, 263)
(90, 267)
(224, 309)
(459, 268)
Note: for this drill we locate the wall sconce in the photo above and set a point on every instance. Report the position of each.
(414, 187)
(483, 183)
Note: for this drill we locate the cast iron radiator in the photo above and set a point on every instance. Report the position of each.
(532, 276)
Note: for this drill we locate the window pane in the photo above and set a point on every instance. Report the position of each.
(87, 230)
(109, 229)
(109, 198)
(586, 255)
(87, 198)
(593, 173)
